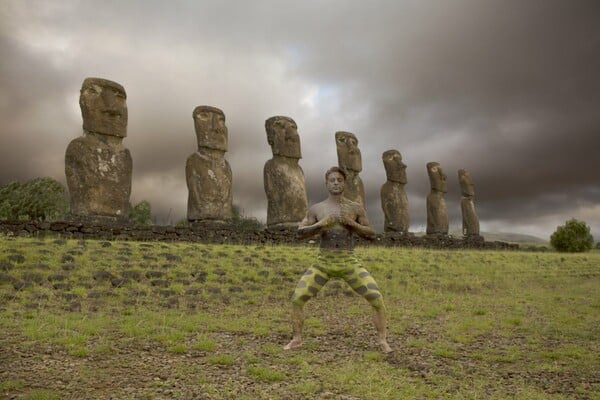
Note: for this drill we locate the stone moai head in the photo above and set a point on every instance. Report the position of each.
(282, 135)
(349, 157)
(211, 131)
(466, 183)
(103, 107)
(437, 178)
(395, 169)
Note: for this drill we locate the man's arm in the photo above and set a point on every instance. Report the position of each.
(310, 226)
(355, 218)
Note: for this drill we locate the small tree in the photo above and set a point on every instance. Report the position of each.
(141, 213)
(573, 237)
(240, 222)
(38, 199)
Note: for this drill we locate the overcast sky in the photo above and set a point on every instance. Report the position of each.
(507, 89)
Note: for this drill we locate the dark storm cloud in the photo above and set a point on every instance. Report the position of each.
(505, 89)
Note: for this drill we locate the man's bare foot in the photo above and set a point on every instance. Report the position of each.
(296, 342)
(385, 347)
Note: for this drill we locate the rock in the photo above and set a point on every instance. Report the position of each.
(283, 178)
(97, 165)
(350, 160)
(208, 174)
(394, 200)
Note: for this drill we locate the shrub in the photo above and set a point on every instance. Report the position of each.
(573, 237)
(38, 199)
(240, 222)
(141, 214)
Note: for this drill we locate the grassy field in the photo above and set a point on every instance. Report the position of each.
(131, 320)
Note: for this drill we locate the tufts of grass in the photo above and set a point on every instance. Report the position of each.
(41, 394)
(266, 374)
(221, 359)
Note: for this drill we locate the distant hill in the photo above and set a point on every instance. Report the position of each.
(501, 237)
(511, 237)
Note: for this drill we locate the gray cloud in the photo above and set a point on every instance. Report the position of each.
(505, 89)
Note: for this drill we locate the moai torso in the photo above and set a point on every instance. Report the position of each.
(97, 165)
(437, 213)
(208, 174)
(349, 159)
(394, 201)
(470, 221)
(283, 178)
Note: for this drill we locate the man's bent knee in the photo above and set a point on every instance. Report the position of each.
(375, 300)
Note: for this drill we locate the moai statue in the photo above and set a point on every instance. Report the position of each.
(394, 201)
(283, 178)
(97, 165)
(349, 159)
(437, 214)
(207, 172)
(470, 222)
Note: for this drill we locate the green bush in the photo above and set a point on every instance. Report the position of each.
(240, 222)
(573, 237)
(141, 213)
(37, 199)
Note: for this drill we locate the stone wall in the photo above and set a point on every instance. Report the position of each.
(218, 233)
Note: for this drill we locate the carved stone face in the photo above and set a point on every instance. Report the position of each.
(282, 135)
(395, 169)
(349, 157)
(335, 183)
(466, 183)
(103, 107)
(211, 131)
(437, 178)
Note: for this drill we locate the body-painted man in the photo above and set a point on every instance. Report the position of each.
(336, 220)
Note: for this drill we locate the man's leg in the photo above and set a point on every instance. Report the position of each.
(380, 322)
(297, 323)
(361, 281)
(309, 285)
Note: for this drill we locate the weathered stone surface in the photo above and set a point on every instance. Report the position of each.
(350, 160)
(208, 174)
(437, 213)
(220, 233)
(470, 221)
(394, 200)
(97, 165)
(283, 177)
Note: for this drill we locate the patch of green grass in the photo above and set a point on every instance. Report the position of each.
(11, 384)
(266, 374)
(221, 359)
(41, 394)
(177, 349)
(205, 344)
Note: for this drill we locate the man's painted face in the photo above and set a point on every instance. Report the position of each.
(211, 131)
(335, 183)
(349, 157)
(103, 107)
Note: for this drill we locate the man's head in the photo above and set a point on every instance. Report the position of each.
(466, 183)
(349, 157)
(395, 169)
(103, 107)
(282, 135)
(335, 179)
(211, 131)
(437, 178)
